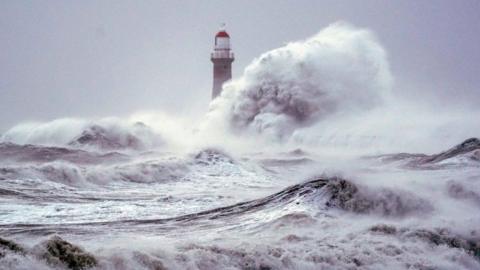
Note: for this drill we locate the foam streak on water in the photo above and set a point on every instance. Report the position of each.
(210, 210)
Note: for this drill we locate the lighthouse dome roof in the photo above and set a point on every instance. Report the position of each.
(222, 33)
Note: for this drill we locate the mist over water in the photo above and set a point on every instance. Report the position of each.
(309, 160)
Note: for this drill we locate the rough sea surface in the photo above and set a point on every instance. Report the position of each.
(113, 207)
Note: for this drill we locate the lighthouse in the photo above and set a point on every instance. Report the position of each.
(222, 59)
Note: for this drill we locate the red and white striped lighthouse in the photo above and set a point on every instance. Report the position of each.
(222, 59)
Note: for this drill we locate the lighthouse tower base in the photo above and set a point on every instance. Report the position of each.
(222, 72)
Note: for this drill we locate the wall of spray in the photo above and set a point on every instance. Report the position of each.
(333, 90)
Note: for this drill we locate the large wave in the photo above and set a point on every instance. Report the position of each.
(334, 89)
(103, 134)
(342, 68)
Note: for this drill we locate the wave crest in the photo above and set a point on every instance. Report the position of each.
(341, 68)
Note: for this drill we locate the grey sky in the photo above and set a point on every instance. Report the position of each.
(112, 58)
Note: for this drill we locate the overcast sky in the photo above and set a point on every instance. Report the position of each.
(112, 58)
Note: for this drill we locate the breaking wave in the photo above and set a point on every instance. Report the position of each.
(320, 194)
(465, 154)
(278, 211)
(340, 69)
(77, 167)
(106, 134)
